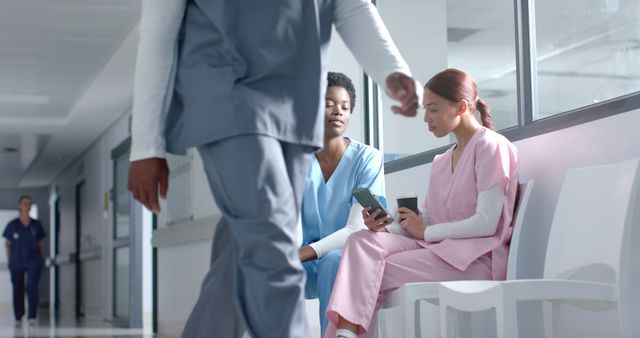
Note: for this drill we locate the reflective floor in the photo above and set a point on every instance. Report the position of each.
(47, 327)
(93, 328)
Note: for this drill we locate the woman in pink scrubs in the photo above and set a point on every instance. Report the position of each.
(464, 227)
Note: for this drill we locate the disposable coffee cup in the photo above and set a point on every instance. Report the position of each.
(408, 200)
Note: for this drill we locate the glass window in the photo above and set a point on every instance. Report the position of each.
(587, 52)
(477, 37)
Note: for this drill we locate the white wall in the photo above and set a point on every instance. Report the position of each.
(181, 269)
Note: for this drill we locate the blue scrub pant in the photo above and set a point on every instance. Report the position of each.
(256, 280)
(17, 278)
(321, 274)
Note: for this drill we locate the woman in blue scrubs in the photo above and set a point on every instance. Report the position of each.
(329, 212)
(25, 251)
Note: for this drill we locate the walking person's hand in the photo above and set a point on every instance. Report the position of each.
(403, 89)
(149, 178)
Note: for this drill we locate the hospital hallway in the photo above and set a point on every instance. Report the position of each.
(63, 327)
(560, 79)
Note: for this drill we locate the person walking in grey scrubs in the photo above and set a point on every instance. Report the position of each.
(243, 81)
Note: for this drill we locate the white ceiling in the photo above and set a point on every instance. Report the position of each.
(66, 70)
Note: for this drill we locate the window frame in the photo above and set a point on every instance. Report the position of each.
(527, 99)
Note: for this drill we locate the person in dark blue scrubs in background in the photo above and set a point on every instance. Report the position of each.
(25, 252)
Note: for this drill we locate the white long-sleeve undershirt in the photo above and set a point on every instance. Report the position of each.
(156, 64)
(482, 223)
(357, 22)
(336, 240)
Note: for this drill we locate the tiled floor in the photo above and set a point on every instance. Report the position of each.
(94, 328)
(47, 327)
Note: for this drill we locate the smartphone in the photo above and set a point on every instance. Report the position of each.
(367, 199)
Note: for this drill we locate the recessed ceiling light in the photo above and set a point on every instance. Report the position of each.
(25, 98)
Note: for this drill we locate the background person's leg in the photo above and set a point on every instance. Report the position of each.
(252, 184)
(17, 279)
(327, 271)
(33, 276)
(212, 303)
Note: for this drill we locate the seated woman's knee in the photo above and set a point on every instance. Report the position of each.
(361, 235)
(360, 238)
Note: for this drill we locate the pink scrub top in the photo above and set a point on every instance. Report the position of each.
(488, 160)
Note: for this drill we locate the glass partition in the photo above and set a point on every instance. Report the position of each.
(477, 37)
(587, 52)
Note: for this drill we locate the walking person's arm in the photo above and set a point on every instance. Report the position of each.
(8, 245)
(155, 71)
(41, 248)
(363, 31)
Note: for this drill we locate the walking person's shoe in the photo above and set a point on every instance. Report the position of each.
(18, 322)
(32, 322)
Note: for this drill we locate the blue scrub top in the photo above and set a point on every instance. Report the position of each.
(326, 205)
(24, 243)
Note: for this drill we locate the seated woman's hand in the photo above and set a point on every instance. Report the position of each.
(372, 223)
(411, 222)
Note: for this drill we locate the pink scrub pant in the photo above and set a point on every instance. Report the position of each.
(375, 263)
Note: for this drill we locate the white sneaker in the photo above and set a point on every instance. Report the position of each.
(32, 322)
(18, 322)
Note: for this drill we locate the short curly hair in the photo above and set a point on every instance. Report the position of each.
(341, 80)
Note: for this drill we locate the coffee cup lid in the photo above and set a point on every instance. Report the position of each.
(407, 195)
